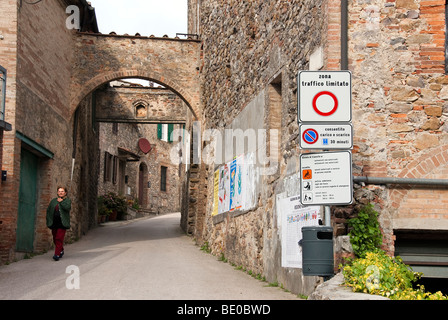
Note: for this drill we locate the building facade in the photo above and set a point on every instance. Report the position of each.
(395, 51)
(37, 52)
(239, 81)
(55, 59)
(135, 157)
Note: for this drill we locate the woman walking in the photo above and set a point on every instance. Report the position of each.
(58, 220)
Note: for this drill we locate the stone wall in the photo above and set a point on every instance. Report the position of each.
(8, 60)
(396, 56)
(252, 51)
(37, 50)
(37, 53)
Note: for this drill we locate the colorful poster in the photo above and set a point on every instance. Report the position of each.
(239, 184)
(215, 193)
(294, 217)
(233, 185)
(224, 189)
(236, 185)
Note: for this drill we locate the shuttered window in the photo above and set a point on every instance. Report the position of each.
(164, 132)
(163, 171)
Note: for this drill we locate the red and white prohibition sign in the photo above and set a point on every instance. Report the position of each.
(335, 103)
(310, 136)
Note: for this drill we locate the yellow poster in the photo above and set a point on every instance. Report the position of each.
(215, 193)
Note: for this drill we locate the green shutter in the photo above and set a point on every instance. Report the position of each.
(170, 131)
(159, 131)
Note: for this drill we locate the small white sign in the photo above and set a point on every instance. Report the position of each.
(324, 96)
(326, 178)
(326, 136)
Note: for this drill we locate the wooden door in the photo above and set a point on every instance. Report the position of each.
(27, 202)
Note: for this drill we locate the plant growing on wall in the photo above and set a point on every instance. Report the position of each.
(103, 210)
(365, 234)
(377, 273)
(112, 203)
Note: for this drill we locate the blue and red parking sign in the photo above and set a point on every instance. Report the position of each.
(310, 136)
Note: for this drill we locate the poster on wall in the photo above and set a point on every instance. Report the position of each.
(236, 184)
(249, 176)
(235, 188)
(232, 185)
(215, 192)
(294, 216)
(239, 183)
(224, 189)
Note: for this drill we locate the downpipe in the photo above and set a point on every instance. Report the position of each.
(408, 181)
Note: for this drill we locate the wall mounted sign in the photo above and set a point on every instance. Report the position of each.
(324, 96)
(326, 178)
(326, 136)
(144, 145)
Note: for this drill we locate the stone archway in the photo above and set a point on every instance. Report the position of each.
(174, 63)
(101, 79)
(410, 205)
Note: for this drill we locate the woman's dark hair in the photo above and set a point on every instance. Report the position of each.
(60, 187)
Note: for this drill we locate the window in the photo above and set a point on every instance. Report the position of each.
(164, 132)
(115, 170)
(163, 178)
(115, 128)
(111, 164)
(108, 166)
(2, 92)
(140, 111)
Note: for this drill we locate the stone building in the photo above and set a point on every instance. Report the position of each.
(36, 49)
(238, 80)
(126, 167)
(55, 59)
(395, 49)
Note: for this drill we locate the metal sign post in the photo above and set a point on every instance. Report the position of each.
(324, 113)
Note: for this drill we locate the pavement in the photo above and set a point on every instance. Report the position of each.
(141, 259)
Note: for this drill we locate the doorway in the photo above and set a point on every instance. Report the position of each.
(27, 201)
(142, 185)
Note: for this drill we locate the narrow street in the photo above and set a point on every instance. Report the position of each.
(147, 258)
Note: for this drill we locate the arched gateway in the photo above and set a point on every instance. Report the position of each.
(173, 63)
(101, 58)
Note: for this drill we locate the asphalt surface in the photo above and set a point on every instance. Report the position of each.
(142, 259)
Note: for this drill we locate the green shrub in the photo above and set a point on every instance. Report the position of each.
(378, 273)
(365, 234)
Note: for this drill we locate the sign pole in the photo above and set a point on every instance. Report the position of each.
(327, 216)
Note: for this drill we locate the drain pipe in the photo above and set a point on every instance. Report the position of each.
(386, 181)
(344, 34)
(408, 181)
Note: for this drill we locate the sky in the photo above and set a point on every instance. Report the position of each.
(147, 17)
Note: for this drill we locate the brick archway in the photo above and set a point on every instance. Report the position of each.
(173, 63)
(100, 79)
(410, 205)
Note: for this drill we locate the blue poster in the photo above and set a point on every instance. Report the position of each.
(232, 185)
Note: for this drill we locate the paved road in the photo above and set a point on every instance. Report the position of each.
(140, 259)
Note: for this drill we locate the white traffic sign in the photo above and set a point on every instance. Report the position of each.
(324, 96)
(326, 136)
(326, 178)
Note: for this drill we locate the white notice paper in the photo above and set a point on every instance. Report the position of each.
(294, 217)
